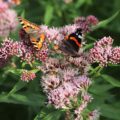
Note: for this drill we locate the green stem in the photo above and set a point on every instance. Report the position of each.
(96, 72)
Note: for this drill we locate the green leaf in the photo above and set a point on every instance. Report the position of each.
(48, 14)
(88, 46)
(30, 99)
(19, 85)
(79, 3)
(100, 89)
(53, 116)
(110, 112)
(23, 14)
(35, 70)
(14, 71)
(104, 23)
(111, 80)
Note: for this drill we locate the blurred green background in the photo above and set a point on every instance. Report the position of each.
(29, 105)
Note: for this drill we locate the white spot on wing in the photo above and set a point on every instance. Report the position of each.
(79, 36)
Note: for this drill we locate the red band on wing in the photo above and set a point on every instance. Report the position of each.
(75, 40)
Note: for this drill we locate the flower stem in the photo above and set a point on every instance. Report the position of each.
(67, 116)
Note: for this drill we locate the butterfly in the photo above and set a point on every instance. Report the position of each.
(33, 30)
(72, 43)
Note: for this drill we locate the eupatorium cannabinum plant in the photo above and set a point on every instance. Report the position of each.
(65, 79)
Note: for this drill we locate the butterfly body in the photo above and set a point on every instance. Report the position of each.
(33, 31)
(72, 43)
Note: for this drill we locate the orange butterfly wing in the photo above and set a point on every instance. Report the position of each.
(27, 25)
(33, 30)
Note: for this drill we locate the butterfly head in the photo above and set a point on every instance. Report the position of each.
(79, 33)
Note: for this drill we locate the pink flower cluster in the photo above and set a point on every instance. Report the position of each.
(86, 23)
(8, 22)
(27, 76)
(63, 81)
(104, 53)
(8, 49)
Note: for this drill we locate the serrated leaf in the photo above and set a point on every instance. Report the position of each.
(48, 14)
(104, 23)
(111, 80)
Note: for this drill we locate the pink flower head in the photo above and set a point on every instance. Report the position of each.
(27, 76)
(82, 82)
(8, 49)
(92, 20)
(82, 62)
(115, 55)
(69, 74)
(42, 55)
(104, 42)
(68, 29)
(50, 82)
(8, 22)
(101, 51)
(3, 6)
(61, 96)
(86, 23)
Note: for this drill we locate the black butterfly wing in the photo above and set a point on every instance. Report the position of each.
(68, 48)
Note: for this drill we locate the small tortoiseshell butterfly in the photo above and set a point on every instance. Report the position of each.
(72, 43)
(33, 30)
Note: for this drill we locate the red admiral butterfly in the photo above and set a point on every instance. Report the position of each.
(72, 43)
